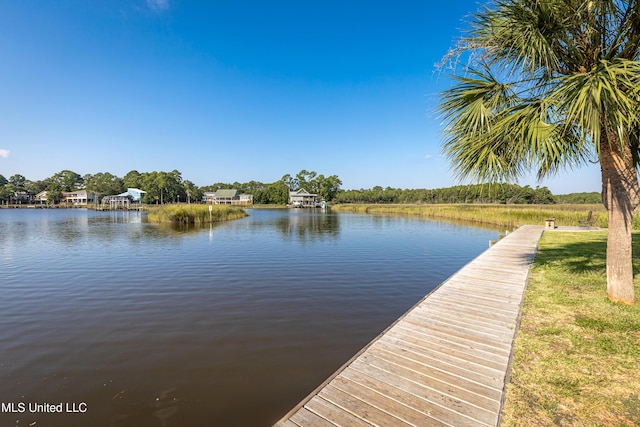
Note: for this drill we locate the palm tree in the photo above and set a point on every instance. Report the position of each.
(546, 85)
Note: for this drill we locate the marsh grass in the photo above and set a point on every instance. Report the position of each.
(576, 354)
(194, 214)
(510, 216)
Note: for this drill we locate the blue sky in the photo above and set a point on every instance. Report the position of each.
(232, 90)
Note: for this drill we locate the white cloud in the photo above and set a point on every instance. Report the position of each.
(158, 5)
(4, 153)
(428, 156)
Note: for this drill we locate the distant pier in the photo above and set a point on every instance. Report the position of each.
(443, 363)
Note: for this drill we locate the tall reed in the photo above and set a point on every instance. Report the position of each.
(502, 215)
(194, 214)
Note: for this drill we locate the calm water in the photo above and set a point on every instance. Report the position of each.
(132, 324)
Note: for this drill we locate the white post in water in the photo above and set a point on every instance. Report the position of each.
(210, 210)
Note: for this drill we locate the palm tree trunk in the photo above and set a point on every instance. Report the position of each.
(620, 195)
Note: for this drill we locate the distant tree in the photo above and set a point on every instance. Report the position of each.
(497, 193)
(543, 195)
(193, 193)
(328, 187)
(216, 186)
(305, 179)
(290, 182)
(104, 183)
(65, 180)
(35, 187)
(251, 186)
(154, 186)
(580, 198)
(18, 181)
(162, 187)
(133, 179)
(54, 194)
(277, 193)
(6, 191)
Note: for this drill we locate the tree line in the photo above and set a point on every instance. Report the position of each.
(163, 187)
(170, 187)
(497, 193)
(593, 198)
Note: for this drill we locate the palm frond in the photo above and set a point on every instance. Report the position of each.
(551, 78)
(603, 100)
(469, 110)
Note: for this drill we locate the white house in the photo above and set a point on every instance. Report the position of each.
(208, 197)
(41, 197)
(77, 197)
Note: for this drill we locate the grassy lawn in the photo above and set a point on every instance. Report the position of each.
(577, 355)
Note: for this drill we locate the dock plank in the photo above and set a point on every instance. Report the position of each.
(472, 346)
(305, 417)
(444, 362)
(439, 405)
(453, 383)
(429, 344)
(365, 410)
(381, 396)
(337, 415)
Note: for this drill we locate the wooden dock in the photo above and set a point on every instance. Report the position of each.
(443, 363)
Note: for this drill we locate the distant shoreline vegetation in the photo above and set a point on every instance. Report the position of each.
(194, 214)
(510, 216)
(476, 193)
(169, 187)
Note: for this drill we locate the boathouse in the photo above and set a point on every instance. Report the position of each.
(124, 200)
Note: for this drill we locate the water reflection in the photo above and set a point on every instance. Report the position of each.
(309, 226)
(299, 225)
(157, 325)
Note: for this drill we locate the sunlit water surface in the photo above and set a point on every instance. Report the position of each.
(127, 323)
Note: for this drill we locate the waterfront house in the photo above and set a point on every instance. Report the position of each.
(227, 197)
(208, 197)
(246, 199)
(77, 197)
(136, 194)
(41, 197)
(21, 197)
(302, 199)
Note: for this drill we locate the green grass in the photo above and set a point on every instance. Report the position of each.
(503, 215)
(194, 214)
(576, 354)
